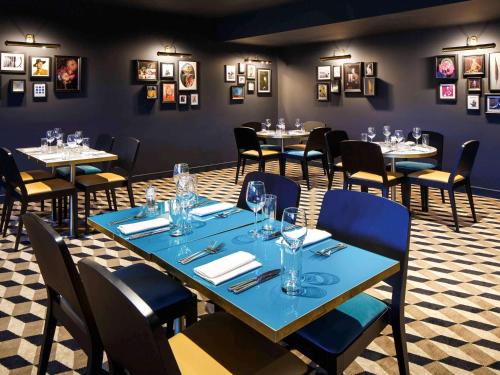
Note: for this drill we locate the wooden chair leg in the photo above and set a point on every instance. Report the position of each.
(406, 194)
(385, 192)
(424, 197)
(243, 165)
(451, 195)
(331, 175)
(113, 196)
(8, 214)
(282, 166)
(468, 189)
(443, 199)
(48, 338)
(42, 205)
(130, 191)
(54, 209)
(263, 166)
(74, 197)
(60, 211)
(108, 198)
(95, 196)
(4, 210)
(324, 161)
(65, 207)
(87, 210)
(398, 331)
(346, 185)
(305, 170)
(24, 208)
(364, 189)
(237, 170)
(94, 360)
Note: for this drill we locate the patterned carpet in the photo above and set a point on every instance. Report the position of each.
(452, 312)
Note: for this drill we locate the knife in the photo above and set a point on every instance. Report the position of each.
(148, 233)
(247, 284)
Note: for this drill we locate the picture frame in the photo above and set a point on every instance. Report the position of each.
(241, 80)
(12, 62)
(151, 92)
(241, 68)
(237, 93)
(473, 102)
(448, 91)
(146, 70)
(370, 69)
(335, 86)
(473, 65)
(446, 67)
(17, 86)
(67, 74)
(251, 71)
(188, 75)
(250, 87)
(369, 84)
(352, 74)
(194, 99)
(323, 72)
(40, 67)
(39, 90)
(337, 71)
(167, 70)
(183, 99)
(264, 81)
(474, 84)
(492, 103)
(168, 92)
(230, 73)
(494, 71)
(322, 92)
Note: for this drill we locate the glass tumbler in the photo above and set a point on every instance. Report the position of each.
(175, 211)
(364, 137)
(86, 143)
(269, 212)
(44, 145)
(425, 140)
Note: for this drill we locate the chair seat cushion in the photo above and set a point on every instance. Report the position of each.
(89, 180)
(80, 169)
(220, 344)
(433, 175)
(409, 166)
(298, 146)
(300, 154)
(55, 185)
(270, 147)
(335, 331)
(391, 176)
(265, 152)
(35, 175)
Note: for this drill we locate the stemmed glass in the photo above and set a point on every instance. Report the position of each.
(399, 136)
(281, 124)
(180, 169)
(298, 124)
(387, 133)
(371, 133)
(268, 123)
(50, 137)
(255, 200)
(71, 140)
(417, 133)
(186, 194)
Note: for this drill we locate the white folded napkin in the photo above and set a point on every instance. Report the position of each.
(227, 267)
(51, 156)
(420, 148)
(211, 209)
(144, 225)
(94, 152)
(409, 143)
(313, 236)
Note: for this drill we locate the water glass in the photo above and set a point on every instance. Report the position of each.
(254, 198)
(399, 136)
(44, 146)
(86, 143)
(371, 133)
(151, 201)
(176, 213)
(71, 140)
(298, 124)
(269, 213)
(425, 139)
(50, 137)
(180, 169)
(263, 126)
(387, 133)
(268, 123)
(364, 137)
(417, 133)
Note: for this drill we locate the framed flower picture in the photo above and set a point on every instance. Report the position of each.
(446, 67)
(447, 91)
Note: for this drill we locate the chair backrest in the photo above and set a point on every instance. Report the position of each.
(316, 139)
(10, 172)
(310, 125)
(246, 139)
(372, 223)
(104, 142)
(362, 156)
(286, 190)
(257, 126)
(435, 140)
(332, 140)
(465, 160)
(127, 150)
(132, 335)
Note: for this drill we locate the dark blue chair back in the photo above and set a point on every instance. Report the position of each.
(465, 160)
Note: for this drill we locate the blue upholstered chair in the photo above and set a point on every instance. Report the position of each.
(286, 190)
(378, 225)
(135, 342)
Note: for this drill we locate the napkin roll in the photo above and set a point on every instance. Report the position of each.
(211, 209)
(313, 236)
(144, 225)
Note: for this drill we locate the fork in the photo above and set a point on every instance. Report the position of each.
(330, 250)
(139, 215)
(212, 248)
(223, 215)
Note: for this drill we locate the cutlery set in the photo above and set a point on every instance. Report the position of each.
(212, 248)
(247, 284)
(139, 215)
(330, 250)
(149, 233)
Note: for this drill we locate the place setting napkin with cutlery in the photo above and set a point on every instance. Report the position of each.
(313, 236)
(142, 226)
(211, 209)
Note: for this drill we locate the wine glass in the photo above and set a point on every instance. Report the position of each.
(387, 133)
(371, 133)
(180, 169)
(268, 123)
(399, 136)
(71, 140)
(417, 133)
(50, 137)
(255, 200)
(298, 124)
(78, 137)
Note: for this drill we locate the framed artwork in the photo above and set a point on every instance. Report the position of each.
(251, 71)
(241, 68)
(168, 92)
(40, 67)
(474, 84)
(146, 70)
(447, 91)
(67, 73)
(241, 80)
(335, 86)
(369, 86)
(230, 73)
(183, 99)
(39, 90)
(322, 92)
(492, 103)
(17, 86)
(167, 70)
(194, 99)
(324, 73)
(370, 69)
(446, 67)
(250, 87)
(12, 62)
(494, 67)
(337, 71)
(352, 77)
(237, 93)
(473, 65)
(473, 102)
(264, 81)
(188, 75)
(151, 92)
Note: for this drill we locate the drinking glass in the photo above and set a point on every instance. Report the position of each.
(254, 199)
(50, 137)
(263, 126)
(180, 169)
(298, 124)
(294, 231)
(86, 143)
(425, 139)
(371, 133)
(71, 140)
(417, 133)
(176, 216)
(387, 133)
(268, 123)
(399, 136)
(364, 137)
(151, 200)
(44, 145)
(78, 137)
(269, 213)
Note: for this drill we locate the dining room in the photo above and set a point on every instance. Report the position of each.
(250, 187)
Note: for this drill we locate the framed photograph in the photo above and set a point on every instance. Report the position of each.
(473, 102)
(251, 71)
(67, 73)
(447, 91)
(39, 90)
(494, 67)
(188, 76)
(324, 73)
(446, 67)
(151, 92)
(183, 99)
(40, 67)
(370, 69)
(167, 70)
(264, 80)
(241, 80)
(12, 62)
(352, 77)
(473, 65)
(237, 93)
(492, 103)
(322, 92)
(146, 70)
(250, 87)
(194, 99)
(241, 68)
(369, 86)
(168, 92)
(335, 86)
(230, 73)
(474, 84)
(17, 86)
(337, 71)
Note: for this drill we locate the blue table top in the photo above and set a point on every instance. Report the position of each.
(329, 281)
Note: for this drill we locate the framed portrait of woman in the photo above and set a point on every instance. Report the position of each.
(188, 75)
(67, 75)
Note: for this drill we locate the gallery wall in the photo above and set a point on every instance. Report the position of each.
(406, 93)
